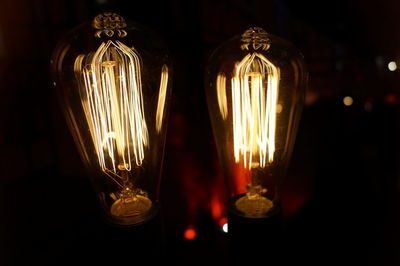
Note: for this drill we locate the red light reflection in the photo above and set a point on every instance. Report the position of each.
(190, 233)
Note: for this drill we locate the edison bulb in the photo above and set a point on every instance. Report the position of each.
(255, 85)
(114, 77)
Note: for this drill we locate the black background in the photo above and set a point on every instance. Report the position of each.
(341, 197)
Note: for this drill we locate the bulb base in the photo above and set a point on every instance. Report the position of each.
(133, 211)
(252, 207)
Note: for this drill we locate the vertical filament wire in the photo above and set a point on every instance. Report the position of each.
(161, 97)
(221, 95)
(254, 99)
(112, 100)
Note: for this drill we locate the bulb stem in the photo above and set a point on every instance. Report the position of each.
(132, 201)
(255, 188)
(127, 193)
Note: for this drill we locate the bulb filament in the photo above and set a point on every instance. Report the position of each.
(161, 97)
(254, 99)
(221, 95)
(112, 100)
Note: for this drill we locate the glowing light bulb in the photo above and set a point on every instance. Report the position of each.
(255, 86)
(113, 78)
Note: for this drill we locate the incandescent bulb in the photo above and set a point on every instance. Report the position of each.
(255, 86)
(113, 77)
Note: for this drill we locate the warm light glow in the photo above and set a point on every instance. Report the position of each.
(221, 94)
(161, 97)
(254, 100)
(392, 66)
(111, 96)
(190, 233)
(348, 101)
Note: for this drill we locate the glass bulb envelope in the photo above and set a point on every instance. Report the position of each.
(255, 85)
(113, 78)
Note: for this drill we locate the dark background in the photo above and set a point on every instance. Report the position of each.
(340, 201)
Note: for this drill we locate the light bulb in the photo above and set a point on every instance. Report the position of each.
(255, 85)
(113, 77)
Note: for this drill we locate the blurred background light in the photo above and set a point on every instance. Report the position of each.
(190, 233)
(392, 66)
(348, 100)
